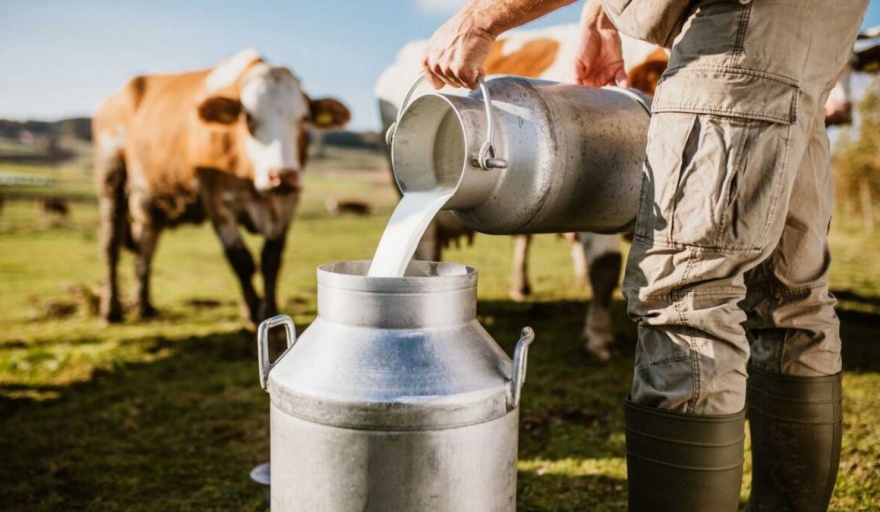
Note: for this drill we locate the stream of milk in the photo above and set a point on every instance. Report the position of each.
(408, 223)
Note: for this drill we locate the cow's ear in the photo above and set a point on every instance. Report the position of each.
(220, 109)
(328, 113)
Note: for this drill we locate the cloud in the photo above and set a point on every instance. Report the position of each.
(440, 6)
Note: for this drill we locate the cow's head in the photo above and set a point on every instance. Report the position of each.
(271, 113)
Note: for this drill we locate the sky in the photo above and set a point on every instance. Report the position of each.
(61, 58)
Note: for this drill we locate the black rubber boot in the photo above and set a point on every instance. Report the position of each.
(796, 432)
(683, 462)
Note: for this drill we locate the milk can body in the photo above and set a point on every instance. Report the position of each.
(395, 398)
(561, 157)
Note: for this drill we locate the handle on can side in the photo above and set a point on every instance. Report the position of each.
(520, 358)
(485, 159)
(263, 345)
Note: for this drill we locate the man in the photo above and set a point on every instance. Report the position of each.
(727, 276)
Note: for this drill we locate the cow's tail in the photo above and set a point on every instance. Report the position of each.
(111, 179)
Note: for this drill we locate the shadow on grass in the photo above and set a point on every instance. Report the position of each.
(851, 296)
(572, 405)
(561, 493)
(860, 333)
(182, 432)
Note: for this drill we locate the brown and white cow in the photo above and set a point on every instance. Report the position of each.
(546, 53)
(226, 144)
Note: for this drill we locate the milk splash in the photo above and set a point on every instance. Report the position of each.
(408, 223)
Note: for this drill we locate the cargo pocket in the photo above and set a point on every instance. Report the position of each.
(716, 161)
(661, 21)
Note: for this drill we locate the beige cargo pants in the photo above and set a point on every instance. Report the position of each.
(730, 257)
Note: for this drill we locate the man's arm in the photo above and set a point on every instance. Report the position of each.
(599, 59)
(456, 52)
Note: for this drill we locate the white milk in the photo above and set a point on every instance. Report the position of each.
(422, 199)
(407, 225)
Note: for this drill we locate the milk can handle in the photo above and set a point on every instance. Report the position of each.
(520, 358)
(485, 159)
(263, 345)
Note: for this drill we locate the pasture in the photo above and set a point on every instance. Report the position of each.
(168, 414)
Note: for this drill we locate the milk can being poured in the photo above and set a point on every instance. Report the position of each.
(524, 155)
(427, 192)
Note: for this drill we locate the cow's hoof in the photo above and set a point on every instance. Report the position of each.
(599, 353)
(111, 320)
(248, 325)
(267, 311)
(519, 294)
(111, 313)
(249, 317)
(147, 312)
(599, 347)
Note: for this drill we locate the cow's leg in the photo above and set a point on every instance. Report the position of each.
(429, 248)
(578, 256)
(519, 279)
(146, 236)
(604, 262)
(110, 239)
(270, 264)
(114, 216)
(242, 264)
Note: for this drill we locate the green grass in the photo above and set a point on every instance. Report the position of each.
(168, 414)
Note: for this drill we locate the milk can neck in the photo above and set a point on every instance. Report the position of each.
(430, 295)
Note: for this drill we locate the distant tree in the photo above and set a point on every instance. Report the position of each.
(857, 161)
(77, 127)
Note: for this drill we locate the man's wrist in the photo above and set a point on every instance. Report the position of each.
(594, 16)
(478, 18)
(494, 17)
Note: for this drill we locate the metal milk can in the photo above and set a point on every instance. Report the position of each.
(395, 398)
(525, 155)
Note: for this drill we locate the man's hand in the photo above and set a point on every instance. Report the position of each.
(599, 59)
(457, 51)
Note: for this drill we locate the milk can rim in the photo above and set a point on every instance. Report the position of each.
(453, 102)
(442, 276)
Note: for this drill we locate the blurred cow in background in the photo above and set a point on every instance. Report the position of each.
(548, 54)
(226, 144)
(865, 59)
(52, 210)
(340, 206)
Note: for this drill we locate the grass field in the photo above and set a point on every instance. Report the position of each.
(168, 414)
